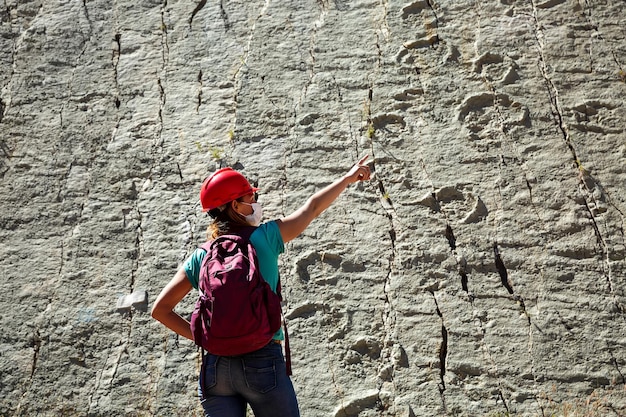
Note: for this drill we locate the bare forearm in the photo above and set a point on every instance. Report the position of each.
(175, 322)
(170, 296)
(323, 198)
(291, 226)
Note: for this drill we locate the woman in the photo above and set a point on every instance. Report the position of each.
(230, 200)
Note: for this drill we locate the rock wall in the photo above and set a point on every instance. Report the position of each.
(481, 272)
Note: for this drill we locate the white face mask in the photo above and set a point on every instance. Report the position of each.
(254, 219)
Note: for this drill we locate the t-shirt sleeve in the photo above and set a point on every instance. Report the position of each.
(192, 266)
(273, 238)
(268, 243)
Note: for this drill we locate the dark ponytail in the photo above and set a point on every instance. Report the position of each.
(225, 220)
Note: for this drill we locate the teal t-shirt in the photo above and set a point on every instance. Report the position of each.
(268, 243)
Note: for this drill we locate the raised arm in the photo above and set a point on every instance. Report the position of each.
(170, 296)
(292, 225)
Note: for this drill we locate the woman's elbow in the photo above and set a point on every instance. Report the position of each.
(154, 312)
(158, 311)
(171, 295)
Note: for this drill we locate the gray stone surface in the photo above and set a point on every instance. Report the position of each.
(481, 272)
(137, 300)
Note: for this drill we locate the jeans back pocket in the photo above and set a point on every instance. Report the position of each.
(260, 374)
(208, 374)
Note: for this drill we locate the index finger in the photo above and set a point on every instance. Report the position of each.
(362, 161)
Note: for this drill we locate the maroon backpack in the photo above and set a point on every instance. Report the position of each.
(237, 312)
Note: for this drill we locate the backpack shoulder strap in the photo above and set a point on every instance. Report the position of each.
(244, 233)
(206, 245)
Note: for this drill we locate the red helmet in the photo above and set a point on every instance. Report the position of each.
(223, 186)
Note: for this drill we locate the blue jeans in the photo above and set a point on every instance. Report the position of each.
(258, 378)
